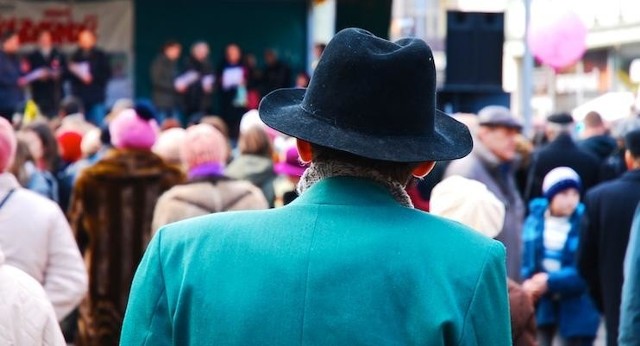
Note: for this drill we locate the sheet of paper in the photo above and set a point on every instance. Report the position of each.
(80, 69)
(232, 77)
(36, 74)
(186, 79)
(207, 81)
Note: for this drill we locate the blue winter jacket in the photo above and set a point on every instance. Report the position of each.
(567, 303)
(10, 93)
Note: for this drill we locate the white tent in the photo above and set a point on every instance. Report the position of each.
(612, 106)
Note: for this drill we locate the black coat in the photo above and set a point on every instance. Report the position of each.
(561, 152)
(609, 212)
(601, 146)
(47, 93)
(163, 74)
(94, 92)
(276, 76)
(195, 99)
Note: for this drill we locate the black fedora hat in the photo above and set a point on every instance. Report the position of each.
(372, 98)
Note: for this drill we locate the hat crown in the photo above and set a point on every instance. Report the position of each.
(371, 98)
(389, 85)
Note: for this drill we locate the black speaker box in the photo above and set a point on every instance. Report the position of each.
(474, 49)
(459, 100)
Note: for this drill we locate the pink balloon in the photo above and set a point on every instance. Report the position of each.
(557, 37)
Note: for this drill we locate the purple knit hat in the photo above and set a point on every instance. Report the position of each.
(291, 165)
(129, 130)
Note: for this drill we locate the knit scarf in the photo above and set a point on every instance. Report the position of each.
(320, 170)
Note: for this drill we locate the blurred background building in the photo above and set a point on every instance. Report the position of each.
(605, 79)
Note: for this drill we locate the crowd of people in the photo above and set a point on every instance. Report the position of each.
(183, 89)
(299, 223)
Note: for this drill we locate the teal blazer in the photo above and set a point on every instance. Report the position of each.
(344, 264)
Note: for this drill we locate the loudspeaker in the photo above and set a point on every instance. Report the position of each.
(452, 100)
(474, 49)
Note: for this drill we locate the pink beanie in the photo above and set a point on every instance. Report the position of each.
(8, 145)
(204, 144)
(130, 131)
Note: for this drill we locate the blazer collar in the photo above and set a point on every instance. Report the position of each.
(346, 191)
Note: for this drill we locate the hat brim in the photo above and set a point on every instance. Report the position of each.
(450, 140)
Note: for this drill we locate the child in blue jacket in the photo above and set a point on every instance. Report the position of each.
(551, 236)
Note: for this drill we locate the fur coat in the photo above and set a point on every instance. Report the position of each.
(111, 215)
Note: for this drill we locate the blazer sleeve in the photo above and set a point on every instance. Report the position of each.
(629, 330)
(147, 320)
(66, 280)
(490, 302)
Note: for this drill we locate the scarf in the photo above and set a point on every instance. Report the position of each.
(320, 170)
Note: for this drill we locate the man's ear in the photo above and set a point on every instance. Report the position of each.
(304, 150)
(423, 169)
(629, 160)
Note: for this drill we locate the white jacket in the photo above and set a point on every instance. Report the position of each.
(36, 238)
(26, 315)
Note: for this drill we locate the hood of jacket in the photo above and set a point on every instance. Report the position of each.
(211, 197)
(256, 169)
(603, 145)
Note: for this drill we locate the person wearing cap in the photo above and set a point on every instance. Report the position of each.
(471, 203)
(204, 153)
(551, 236)
(492, 163)
(111, 212)
(610, 207)
(561, 151)
(349, 262)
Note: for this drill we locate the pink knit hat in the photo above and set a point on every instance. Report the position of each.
(131, 131)
(8, 145)
(203, 144)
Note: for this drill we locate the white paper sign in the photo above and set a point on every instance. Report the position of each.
(232, 77)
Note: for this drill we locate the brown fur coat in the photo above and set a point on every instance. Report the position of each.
(111, 213)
